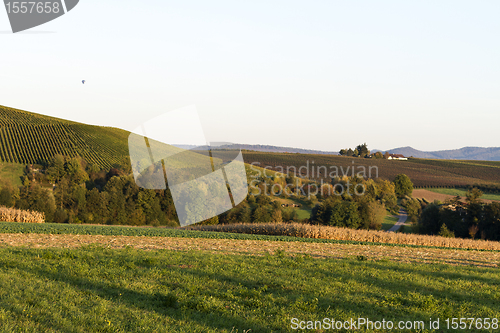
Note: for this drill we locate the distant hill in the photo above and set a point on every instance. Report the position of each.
(277, 149)
(466, 153)
(30, 138)
(263, 148)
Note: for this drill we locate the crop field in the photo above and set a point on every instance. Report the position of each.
(444, 194)
(280, 232)
(423, 172)
(94, 288)
(462, 192)
(29, 138)
(306, 231)
(262, 247)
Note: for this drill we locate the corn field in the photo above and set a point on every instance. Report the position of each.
(346, 234)
(17, 215)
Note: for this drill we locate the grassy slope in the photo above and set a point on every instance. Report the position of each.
(461, 192)
(389, 221)
(423, 172)
(12, 172)
(101, 290)
(29, 138)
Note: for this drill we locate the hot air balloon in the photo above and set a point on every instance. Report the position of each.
(83, 81)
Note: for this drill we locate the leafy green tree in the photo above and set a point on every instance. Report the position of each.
(261, 214)
(8, 194)
(403, 185)
(372, 214)
(345, 215)
(78, 199)
(75, 171)
(56, 170)
(61, 216)
(445, 232)
(363, 150)
(34, 197)
(490, 224)
(413, 208)
(430, 221)
(62, 193)
(473, 196)
(277, 216)
(117, 200)
(97, 206)
(387, 195)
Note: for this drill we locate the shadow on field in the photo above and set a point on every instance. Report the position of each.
(279, 285)
(428, 290)
(159, 303)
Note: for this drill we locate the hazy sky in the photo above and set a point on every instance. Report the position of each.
(311, 74)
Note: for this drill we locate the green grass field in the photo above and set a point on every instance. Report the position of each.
(12, 172)
(461, 192)
(389, 221)
(94, 289)
(303, 212)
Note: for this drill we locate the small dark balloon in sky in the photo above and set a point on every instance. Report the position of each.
(83, 81)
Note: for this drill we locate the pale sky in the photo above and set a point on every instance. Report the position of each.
(310, 74)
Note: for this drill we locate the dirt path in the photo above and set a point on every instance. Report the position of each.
(254, 247)
(402, 219)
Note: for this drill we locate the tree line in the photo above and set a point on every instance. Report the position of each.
(70, 190)
(454, 218)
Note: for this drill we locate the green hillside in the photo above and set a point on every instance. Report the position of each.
(30, 138)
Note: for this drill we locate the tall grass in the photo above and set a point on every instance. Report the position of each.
(17, 215)
(346, 234)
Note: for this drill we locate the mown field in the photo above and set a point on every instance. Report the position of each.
(423, 172)
(274, 232)
(96, 289)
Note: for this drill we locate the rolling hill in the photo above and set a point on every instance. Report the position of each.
(465, 153)
(29, 138)
(423, 172)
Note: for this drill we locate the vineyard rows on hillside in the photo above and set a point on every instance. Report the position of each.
(423, 172)
(28, 138)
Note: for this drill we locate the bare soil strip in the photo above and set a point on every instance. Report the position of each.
(256, 247)
(431, 196)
